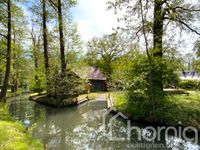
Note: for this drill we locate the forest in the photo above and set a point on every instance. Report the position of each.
(144, 65)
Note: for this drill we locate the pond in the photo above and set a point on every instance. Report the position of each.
(88, 126)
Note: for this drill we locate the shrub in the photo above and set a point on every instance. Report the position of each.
(64, 86)
(137, 87)
(189, 84)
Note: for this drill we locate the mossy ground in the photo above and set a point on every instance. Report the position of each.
(13, 136)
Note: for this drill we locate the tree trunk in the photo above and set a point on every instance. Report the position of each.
(8, 55)
(158, 44)
(45, 42)
(35, 52)
(151, 87)
(15, 73)
(62, 45)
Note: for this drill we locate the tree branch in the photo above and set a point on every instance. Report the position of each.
(186, 9)
(55, 7)
(186, 25)
(144, 31)
(3, 35)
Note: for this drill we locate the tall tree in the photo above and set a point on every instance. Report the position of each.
(45, 40)
(157, 16)
(62, 44)
(58, 6)
(35, 50)
(8, 53)
(105, 51)
(18, 36)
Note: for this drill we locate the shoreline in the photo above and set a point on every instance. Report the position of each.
(44, 99)
(114, 110)
(10, 127)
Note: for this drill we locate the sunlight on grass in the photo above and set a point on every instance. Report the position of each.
(119, 98)
(13, 135)
(172, 110)
(93, 95)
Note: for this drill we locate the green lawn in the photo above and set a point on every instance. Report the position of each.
(174, 109)
(93, 95)
(184, 108)
(13, 135)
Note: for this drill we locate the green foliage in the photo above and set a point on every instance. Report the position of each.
(189, 84)
(137, 78)
(37, 83)
(186, 108)
(102, 52)
(65, 86)
(170, 75)
(138, 87)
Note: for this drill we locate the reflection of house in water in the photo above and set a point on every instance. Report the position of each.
(94, 75)
(189, 75)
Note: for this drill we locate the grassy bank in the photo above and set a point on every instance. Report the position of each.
(13, 135)
(59, 102)
(174, 109)
(93, 95)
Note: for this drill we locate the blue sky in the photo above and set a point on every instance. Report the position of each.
(93, 19)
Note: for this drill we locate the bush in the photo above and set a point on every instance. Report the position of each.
(189, 84)
(64, 86)
(137, 87)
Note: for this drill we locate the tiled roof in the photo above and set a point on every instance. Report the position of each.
(92, 73)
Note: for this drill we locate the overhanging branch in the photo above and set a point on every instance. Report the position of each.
(187, 26)
(186, 9)
(183, 23)
(3, 35)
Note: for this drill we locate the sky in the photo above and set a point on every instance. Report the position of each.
(93, 18)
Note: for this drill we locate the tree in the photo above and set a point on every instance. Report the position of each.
(74, 44)
(35, 49)
(57, 5)
(156, 16)
(37, 83)
(104, 51)
(8, 52)
(45, 41)
(62, 44)
(41, 14)
(18, 34)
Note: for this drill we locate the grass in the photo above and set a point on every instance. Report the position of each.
(119, 100)
(93, 95)
(174, 109)
(182, 108)
(13, 135)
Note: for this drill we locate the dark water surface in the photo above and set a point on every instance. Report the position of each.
(87, 127)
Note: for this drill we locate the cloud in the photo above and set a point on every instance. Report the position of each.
(93, 18)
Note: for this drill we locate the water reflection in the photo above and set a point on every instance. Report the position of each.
(80, 128)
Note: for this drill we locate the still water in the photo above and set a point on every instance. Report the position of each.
(88, 127)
